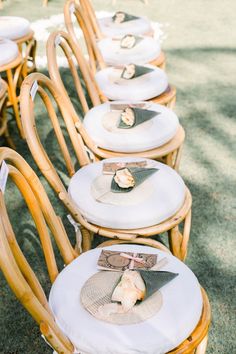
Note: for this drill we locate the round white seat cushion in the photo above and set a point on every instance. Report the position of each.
(168, 194)
(13, 27)
(9, 51)
(145, 51)
(173, 323)
(138, 27)
(142, 88)
(146, 136)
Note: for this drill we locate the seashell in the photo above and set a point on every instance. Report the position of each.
(129, 290)
(124, 178)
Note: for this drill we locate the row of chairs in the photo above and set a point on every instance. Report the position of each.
(90, 155)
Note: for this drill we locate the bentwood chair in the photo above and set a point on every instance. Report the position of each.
(177, 197)
(147, 141)
(12, 69)
(18, 30)
(191, 302)
(105, 27)
(107, 50)
(151, 86)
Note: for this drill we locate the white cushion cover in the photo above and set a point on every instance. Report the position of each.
(13, 27)
(143, 52)
(143, 137)
(177, 318)
(167, 198)
(110, 29)
(8, 51)
(144, 87)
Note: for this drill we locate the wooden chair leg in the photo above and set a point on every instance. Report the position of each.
(172, 102)
(179, 242)
(175, 240)
(86, 239)
(177, 158)
(201, 349)
(14, 100)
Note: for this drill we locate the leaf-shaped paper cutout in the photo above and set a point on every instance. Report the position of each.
(155, 280)
(141, 116)
(139, 175)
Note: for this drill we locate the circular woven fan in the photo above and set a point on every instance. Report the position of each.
(97, 291)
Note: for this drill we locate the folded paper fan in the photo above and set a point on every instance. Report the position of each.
(125, 179)
(131, 117)
(121, 17)
(132, 71)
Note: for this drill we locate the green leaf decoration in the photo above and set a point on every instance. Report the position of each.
(155, 280)
(141, 116)
(138, 70)
(136, 40)
(139, 175)
(124, 17)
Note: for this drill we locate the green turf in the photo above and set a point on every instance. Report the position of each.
(200, 49)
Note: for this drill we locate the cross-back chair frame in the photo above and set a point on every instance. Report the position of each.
(169, 153)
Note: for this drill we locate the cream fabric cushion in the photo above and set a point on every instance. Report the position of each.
(8, 51)
(146, 136)
(143, 52)
(110, 29)
(168, 194)
(142, 88)
(175, 321)
(13, 27)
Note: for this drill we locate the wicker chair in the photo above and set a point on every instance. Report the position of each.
(178, 241)
(169, 152)
(18, 30)
(92, 34)
(88, 8)
(13, 68)
(97, 64)
(24, 282)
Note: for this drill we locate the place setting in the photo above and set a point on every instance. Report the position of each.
(140, 82)
(129, 48)
(117, 126)
(140, 297)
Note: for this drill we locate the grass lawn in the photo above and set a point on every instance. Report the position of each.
(199, 42)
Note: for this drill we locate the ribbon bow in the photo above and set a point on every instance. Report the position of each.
(133, 259)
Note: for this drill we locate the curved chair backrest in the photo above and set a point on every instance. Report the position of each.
(36, 147)
(31, 295)
(90, 12)
(79, 10)
(40, 208)
(13, 263)
(75, 60)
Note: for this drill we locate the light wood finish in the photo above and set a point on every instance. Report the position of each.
(91, 31)
(169, 153)
(27, 46)
(40, 208)
(178, 241)
(29, 292)
(3, 114)
(14, 71)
